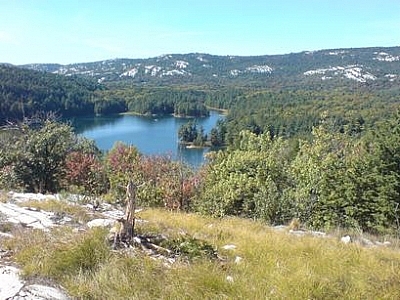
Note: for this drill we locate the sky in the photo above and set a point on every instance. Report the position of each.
(73, 31)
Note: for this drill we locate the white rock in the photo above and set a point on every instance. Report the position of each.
(260, 69)
(318, 233)
(297, 232)
(36, 291)
(238, 260)
(131, 73)
(229, 247)
(100, 223)
(35, 219)
(22, 197)
(181, 64)
(229, 278)
(6, 235)
(346, 239)
(386, 243)
(366, 242)
(280, 227)
(10, 284)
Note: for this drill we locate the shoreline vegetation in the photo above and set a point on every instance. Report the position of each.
(209, 108)
(186, 144)
(192, 145)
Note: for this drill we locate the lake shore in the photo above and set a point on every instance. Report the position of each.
(151, 135)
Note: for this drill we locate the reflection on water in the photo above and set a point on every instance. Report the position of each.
(150, 135)
(82, 124)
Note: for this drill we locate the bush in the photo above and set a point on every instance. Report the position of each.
(34, 156)
(85, 171)
(249, 181)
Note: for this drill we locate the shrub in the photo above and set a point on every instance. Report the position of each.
(249, 181)
(34, 156)
(85, 170)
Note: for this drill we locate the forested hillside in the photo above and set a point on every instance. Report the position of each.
(281, 94)
(25, 92)
(291, 112)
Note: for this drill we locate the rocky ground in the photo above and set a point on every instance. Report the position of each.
(12, 210)
(15, 209)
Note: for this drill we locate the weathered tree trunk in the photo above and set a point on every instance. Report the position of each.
(130, 210)
(124, 228)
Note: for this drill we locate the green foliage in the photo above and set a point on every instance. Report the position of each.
(336, 179)
(190, 133)
(109, 105)
(249, 181)
(24, 93)
(190, 248)
(217, 134)
(35, 154)
(160, 101)
(340, 181)
(8, 178)
(294, 113)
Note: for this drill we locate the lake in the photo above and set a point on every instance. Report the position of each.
(151, 135)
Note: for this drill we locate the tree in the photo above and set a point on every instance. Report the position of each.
(36, 153)
(188, 132)
(346, 182)
(85, 171)
(201, 137)
(249, 181)
(217, 134)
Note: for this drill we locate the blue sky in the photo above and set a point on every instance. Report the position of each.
(68, 31)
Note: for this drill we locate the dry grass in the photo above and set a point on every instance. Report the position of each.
(3, 196)
(274, 265)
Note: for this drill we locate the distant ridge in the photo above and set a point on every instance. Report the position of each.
(327, 67)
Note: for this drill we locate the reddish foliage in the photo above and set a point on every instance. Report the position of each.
(85, 170)
(122, 158)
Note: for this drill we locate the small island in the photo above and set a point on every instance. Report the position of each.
(194, 137)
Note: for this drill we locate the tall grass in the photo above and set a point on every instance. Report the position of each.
(274, 265)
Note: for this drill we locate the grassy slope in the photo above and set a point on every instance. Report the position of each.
(275, 265)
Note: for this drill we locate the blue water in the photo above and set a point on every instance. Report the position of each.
(151, 135)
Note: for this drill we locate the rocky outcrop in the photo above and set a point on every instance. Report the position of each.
(15, 212)
(26, 216)
(12, 287)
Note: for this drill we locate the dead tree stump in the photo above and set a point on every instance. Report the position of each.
(130, 209)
